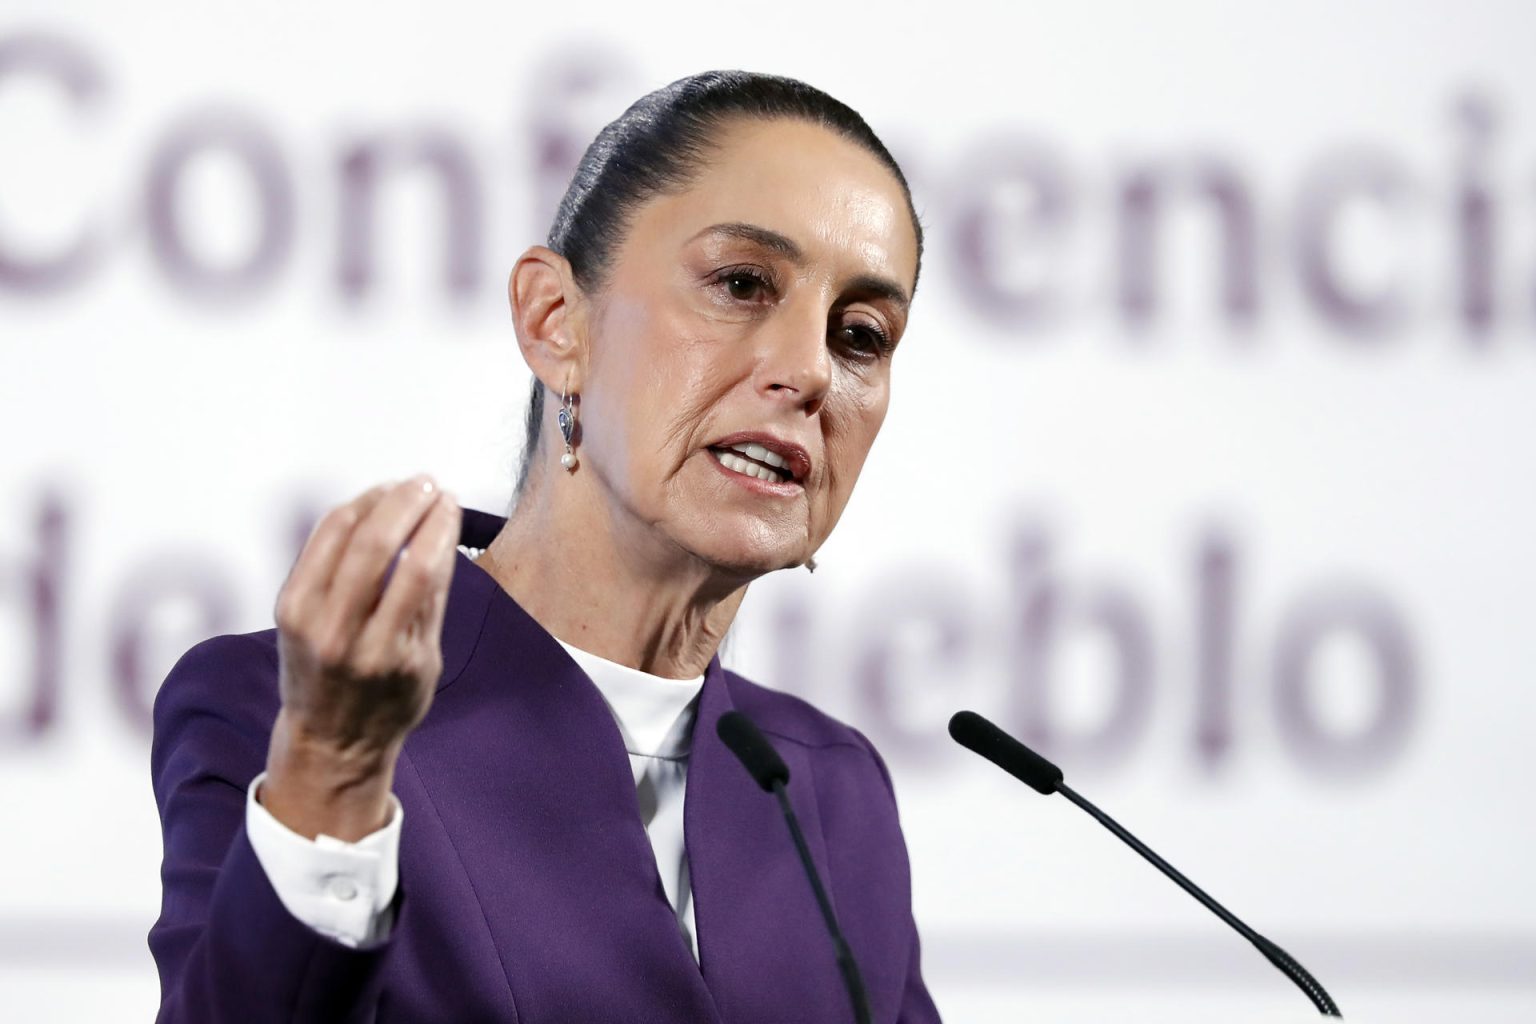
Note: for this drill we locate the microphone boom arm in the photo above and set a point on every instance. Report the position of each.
(845, 961)
(1272, 952)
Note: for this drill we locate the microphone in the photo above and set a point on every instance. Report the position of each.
(752, 749)
(742, 736)
(970, 730)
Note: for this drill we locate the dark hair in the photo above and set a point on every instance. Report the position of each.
(657, 146)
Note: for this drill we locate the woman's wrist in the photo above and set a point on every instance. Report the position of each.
(314, 786)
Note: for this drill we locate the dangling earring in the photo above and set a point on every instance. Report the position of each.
(567, 420)
(810, 564)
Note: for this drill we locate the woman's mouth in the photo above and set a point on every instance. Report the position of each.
(753, 460)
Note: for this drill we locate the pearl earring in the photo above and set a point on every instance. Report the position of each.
(567, 420)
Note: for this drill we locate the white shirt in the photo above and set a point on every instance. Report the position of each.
(345, 890)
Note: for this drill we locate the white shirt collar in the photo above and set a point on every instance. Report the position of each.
(655, 714)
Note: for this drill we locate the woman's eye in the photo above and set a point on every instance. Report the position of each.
(865, 339)
(744, 285)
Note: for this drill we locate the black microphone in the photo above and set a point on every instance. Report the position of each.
(768, 770)
(753, 750)
(971, 730)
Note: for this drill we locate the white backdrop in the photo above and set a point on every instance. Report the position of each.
(1208, 466)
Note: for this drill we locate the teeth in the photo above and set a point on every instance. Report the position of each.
(761, 454)
(746, 468)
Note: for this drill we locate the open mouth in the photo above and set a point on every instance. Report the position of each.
(755, 461)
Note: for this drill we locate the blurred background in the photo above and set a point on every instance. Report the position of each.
(1208, 467)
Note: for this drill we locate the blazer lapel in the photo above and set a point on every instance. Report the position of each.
(764, 950)
(526, 769)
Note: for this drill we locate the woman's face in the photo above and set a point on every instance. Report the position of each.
(739, 355)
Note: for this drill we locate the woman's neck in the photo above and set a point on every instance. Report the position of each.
(612, 589)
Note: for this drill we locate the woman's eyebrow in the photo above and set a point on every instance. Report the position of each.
(765, 237)
(871, 285)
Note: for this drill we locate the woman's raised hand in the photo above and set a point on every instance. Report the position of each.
(359, 623)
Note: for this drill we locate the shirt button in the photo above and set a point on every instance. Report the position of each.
(342, 888)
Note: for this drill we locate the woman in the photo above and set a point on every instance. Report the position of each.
(493, 789)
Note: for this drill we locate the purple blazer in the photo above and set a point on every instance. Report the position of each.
(528, 889)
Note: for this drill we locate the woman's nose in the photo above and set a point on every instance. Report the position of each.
(795, 364)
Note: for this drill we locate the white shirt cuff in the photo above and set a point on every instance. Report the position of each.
(342, 890)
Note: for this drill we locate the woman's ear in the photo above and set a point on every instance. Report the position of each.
(549, 314)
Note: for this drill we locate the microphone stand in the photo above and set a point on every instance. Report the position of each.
(845, 961)
(1272, 952)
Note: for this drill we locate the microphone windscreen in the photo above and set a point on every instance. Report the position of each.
(752, 749)
(969, 729)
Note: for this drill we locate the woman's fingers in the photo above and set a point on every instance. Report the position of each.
(372, 547)
(310, 576)
(438, 604)
(418, 587)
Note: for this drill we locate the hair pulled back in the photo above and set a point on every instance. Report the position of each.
(657, 147)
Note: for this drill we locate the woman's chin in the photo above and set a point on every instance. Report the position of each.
(749, 567)
(752, 556)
